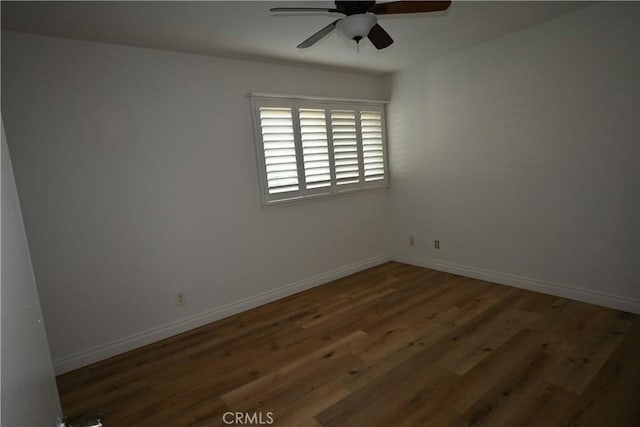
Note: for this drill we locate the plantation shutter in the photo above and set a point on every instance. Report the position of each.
(345, 146)
(315, 148)
(372, 148)
(279, 148)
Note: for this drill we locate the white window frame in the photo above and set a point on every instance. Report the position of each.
(296, 103)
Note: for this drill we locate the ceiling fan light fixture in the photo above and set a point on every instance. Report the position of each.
(357, 26)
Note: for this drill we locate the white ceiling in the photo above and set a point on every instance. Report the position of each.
(243, 29)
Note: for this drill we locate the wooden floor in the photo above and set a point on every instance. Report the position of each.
(395, 345)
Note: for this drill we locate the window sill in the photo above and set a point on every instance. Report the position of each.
(320, 197)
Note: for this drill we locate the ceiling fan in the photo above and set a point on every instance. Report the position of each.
(360, 18)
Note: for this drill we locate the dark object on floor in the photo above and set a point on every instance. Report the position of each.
(90, 420)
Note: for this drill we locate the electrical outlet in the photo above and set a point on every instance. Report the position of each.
(436, 244)
(181, 299)
(411, 241)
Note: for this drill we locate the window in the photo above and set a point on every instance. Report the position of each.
(312, 147)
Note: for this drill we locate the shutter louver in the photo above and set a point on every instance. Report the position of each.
(372, 148)
(279, 149)
(315, 149)
(345, 146)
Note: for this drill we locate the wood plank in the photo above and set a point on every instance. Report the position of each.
(389, 398)
(277, 379)
(501, 401)
(575, 371)
(548, 406)
(301, 386)
(613, 396)
(483, 341)
(434, 413)
(473, 385)
(302, 410)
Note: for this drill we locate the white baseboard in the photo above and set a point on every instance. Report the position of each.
(592, 297)
(98, 353)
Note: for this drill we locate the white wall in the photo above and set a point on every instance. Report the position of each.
(521, 155)
(29, 394)
(137, 175)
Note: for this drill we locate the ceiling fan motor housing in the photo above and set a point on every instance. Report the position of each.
(355, 7)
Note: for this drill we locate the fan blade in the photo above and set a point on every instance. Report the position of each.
(302, 9)
(317, 36)
(379, 37)
(410, 7)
